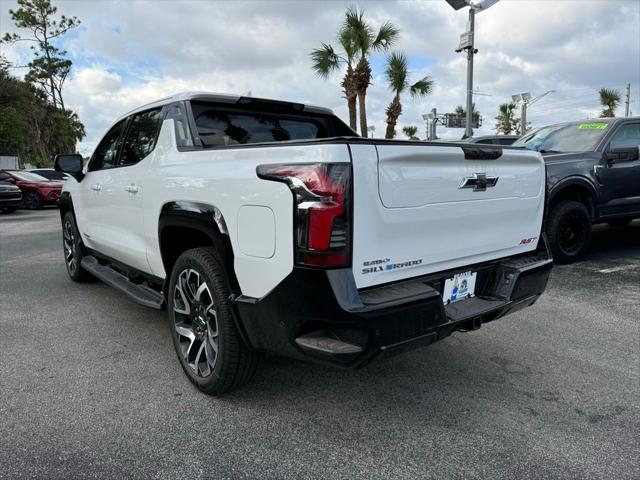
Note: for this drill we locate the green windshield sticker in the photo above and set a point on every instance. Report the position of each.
(593, 126)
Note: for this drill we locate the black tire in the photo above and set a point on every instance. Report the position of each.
(202, 324)
(619, 222)
(9, 209)
(569, 231)
(73, 249)
(32, 200)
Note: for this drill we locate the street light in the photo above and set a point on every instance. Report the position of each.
(526, 100)
(467, 43)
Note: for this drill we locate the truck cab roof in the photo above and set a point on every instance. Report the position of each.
(230, 99)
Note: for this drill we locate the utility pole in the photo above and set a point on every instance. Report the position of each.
(468, 132)
(523, 117)
(627, 100)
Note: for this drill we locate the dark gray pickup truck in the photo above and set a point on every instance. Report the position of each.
(593, 176)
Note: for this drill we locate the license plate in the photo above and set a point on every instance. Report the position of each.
(460, 287)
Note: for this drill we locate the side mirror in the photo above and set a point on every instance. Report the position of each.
(70, 163)
(9, 180)
(626, 154)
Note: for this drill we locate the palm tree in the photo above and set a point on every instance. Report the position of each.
(326, 60)
(410, 131)
(506, 121)
(609, 99)
(475, 115)
(367, 41)
(397, 72)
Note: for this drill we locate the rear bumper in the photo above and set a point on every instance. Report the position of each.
(384, 320)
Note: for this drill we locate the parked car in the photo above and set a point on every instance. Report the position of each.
(10, 197)
(494, 139)
(593, 176)
(36, 190)
(268, 226)
(50, 174)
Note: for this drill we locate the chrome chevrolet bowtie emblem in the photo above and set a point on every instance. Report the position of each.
(479, 182)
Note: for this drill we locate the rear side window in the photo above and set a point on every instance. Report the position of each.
(218, 127)
(141, 136)
(176, 112)
(106, 154)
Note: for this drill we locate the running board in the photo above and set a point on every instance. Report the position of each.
(138, 293)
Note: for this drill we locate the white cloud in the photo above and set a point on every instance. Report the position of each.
(130, 52)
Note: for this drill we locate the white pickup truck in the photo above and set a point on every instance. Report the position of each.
(267, 226)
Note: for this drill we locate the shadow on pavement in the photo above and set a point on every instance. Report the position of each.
(614, 243)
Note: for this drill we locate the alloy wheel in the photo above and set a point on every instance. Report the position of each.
(195, 322)
(70, 249)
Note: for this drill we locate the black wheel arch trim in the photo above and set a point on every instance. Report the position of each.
(209, 220)
(575, 181)
(65, 204)
(204, 218)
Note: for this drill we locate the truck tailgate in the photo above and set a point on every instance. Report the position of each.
(421, 208)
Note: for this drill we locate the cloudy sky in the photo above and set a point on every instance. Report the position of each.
(128, 52)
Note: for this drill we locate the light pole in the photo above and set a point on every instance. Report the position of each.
(526, 99)
(467, 43)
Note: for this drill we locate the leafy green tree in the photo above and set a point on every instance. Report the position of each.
(410, 131)
(367, 40)
(609, 99)
(31, 127)
(397, 72)
(506, 121)
(49, 68)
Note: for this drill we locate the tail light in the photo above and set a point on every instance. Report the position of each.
(322, 197)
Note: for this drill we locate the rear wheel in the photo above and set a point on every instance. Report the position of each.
(569, 231)
(206, 339)
(32, 200)
(73, 249)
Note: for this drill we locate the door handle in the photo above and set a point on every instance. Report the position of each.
(131, 188)
(96, 187)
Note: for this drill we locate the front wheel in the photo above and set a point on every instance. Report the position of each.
(569, 231)
(73, 249)
(208, 344)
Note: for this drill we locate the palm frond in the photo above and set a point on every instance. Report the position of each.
(609, 96)
(386, 37)
(360, 29)
(347, 40)
(421, 88)
(325, 60)
(396, 72)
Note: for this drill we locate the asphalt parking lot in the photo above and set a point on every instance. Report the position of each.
(90, 386)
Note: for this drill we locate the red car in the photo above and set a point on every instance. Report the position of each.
(36, 190)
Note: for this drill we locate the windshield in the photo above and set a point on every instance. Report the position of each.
(29, 177)
(575, 137)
